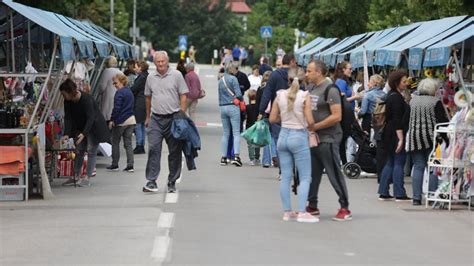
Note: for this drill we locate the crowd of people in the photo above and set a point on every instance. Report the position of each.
(312, 116)
(313, 103)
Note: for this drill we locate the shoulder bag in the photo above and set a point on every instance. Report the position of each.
(236, 101)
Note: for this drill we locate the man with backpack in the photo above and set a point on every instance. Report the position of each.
(327, 104)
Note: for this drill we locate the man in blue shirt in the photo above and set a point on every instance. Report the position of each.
(236, 53)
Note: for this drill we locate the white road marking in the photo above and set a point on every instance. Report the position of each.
(171, 197)
(166, 220)
(197, 70)
(210, 76)
(214, 124)
(349, 254)
(160, 248)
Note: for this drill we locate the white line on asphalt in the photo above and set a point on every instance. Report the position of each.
(166, 220)
(214, 124)
(197, 70)
(160, 248)
(210, 76)
(349, 254)
(171, 197)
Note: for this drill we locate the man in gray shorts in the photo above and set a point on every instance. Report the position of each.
(327, 115)
(165, 92)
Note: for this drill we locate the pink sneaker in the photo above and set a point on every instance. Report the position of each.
(343, 215)
(306, 217)
(289, 216)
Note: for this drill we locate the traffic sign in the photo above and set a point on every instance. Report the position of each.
(303, 34)
(266, 32)
(183, 42)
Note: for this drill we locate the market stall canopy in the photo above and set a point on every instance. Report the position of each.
(308, 46)
(84, 33)
(416, 53)
(439, 53)
(329, 55)
(306, 56)
(392, 53)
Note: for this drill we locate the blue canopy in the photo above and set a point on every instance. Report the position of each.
(391, 54)
(438, 54)
(357, 54)
(306, 56)
(69, 29)
(416, 53)
(307, 46)
(329, 55)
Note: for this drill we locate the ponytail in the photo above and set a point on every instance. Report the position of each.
(292, 91)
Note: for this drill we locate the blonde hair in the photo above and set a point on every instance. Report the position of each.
(295, 75)
(266, 76)
(122, 79)
(111, 61)
(377, 80)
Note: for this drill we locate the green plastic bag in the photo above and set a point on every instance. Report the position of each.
(258, 134)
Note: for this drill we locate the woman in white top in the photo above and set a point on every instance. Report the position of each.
(255, 78)
(292, 107)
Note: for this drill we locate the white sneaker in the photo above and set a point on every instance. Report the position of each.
(252, 163)
(306, 217)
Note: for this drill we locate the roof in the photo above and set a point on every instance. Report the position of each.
(239, 7)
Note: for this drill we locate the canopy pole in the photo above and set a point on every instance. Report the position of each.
(462, 56)
(45, 86)
(458, 70)
(29, 41)
(12, 36)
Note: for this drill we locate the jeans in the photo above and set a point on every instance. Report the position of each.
(230, 116)
(394, 169)
(293, 148)
(159, 129)
(140, 134)
(125, 132)
(254, 152)
(87, 144)
(326, 156)
(191, 107)
(267, 159)
(420, 162)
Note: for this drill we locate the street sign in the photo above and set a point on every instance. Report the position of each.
(183, 42)
(303, 34)
(266, 32)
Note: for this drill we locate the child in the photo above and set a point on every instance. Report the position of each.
(252, 114)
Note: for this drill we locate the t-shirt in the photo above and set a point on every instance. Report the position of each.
(293, 119)
(321, 111)
(255, 82)
(165, 91)
(346, 89)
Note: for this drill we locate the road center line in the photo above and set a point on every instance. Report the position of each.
(166, 220)
(160, 248)
(171, 197)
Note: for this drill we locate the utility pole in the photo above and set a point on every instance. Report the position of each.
(112, 17)
(134, 30)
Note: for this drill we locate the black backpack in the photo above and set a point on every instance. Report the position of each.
(348, 116)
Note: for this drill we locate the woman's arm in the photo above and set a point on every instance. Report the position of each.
(275, 113)
(308, 112)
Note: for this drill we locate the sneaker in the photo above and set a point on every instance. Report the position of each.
(385, 198)
(257, 161)
(150, 187)
(416, 202)
(83, 182)
(312, 211)
(276, 162)
(171, 187)
(289, 216)
(236, 161)
(113, 168)
(305, 217)
(129, 169)
(70, 182)
(343, 215)
(401, 199)
(139, 150)
(94, 172)
(266, 165)
(223, 161)
(252, 163)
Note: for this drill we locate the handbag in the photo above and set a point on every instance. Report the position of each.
(235, 101)
(202, 94)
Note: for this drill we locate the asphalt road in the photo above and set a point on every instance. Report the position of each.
(223, 215)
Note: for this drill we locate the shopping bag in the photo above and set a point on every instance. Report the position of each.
(258, 134)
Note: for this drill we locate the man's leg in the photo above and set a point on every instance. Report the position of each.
(316, 175)
(175, 148)
(332, 165)
(155, 139)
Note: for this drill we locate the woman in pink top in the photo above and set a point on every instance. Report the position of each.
(292, 107)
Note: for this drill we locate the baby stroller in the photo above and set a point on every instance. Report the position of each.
(364, 159)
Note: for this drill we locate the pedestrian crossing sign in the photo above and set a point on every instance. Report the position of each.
(183, 42)
(266, 32)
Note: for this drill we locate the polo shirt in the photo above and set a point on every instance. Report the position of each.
(165, 91)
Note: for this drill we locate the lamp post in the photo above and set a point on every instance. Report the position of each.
(112, 17)
(134, 30)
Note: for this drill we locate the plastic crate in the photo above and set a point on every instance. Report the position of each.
(12, 194)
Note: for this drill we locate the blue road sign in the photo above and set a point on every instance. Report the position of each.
(303, 34)
(183, 42)
(266, 32)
